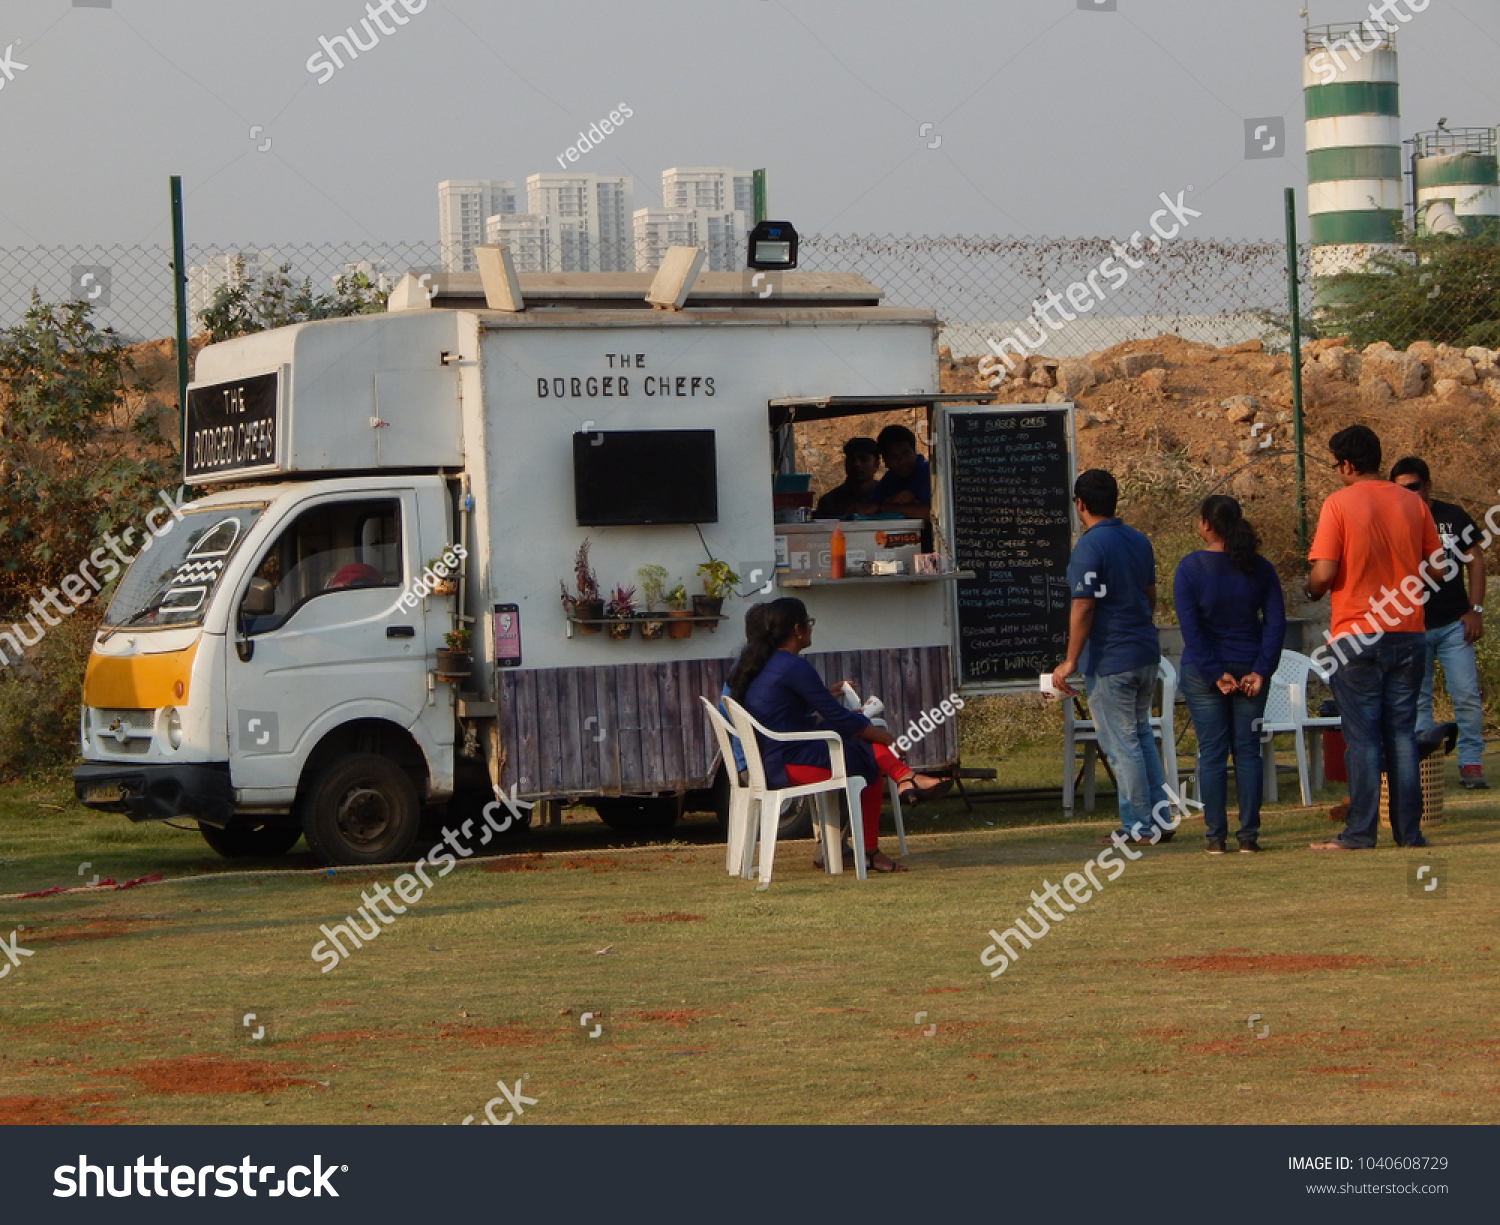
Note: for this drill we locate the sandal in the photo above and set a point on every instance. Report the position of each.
(818, 861)
(879, 861)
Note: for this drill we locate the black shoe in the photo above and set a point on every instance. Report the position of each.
(1249, 848)
(1215, 846)
(1420, 842)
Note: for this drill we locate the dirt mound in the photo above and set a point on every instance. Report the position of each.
(1183, 416)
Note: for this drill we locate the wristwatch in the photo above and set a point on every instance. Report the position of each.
(1479, 608)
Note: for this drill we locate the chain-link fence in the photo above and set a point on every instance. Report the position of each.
(1061, 297)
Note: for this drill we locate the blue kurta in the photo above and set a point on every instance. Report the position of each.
(784, 698)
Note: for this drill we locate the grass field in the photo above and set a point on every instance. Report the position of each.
(820, 1000)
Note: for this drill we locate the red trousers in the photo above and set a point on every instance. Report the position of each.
(869, 799)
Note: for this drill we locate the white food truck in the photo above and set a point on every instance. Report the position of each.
(269, 665)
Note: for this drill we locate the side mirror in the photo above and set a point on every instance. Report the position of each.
(260, 599)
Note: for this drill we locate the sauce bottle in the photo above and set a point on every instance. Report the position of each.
(836, 551)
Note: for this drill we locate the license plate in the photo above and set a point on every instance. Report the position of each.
(102, 793)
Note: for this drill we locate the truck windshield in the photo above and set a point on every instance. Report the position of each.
(170, 581)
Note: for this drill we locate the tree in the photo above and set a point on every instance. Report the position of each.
(243, 306)
(70, 468)
(1440, 289)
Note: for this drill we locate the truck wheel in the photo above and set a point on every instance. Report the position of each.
(796, 817)
(361, 809)
(250, 838)
(627, 814)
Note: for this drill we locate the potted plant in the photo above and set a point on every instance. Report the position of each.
(679, 623)
(653, 585)
(586, 604)
(444, 579)
(621, 613)
(455, 662)
(718, 581)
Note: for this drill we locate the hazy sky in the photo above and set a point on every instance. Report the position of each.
(1052, 119)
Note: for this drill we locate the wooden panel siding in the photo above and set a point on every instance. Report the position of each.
(634, 729)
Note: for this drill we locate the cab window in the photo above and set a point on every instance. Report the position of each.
(328, 550)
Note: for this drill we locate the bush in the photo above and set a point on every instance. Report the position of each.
(1443, 290)
(72, 466)
(244, 306)
(40, 697)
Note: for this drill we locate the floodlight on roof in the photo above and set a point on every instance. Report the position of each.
(773, 246)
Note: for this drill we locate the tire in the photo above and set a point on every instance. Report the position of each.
(361, 809)
(251, 838)
(796, 817)
(639, 817)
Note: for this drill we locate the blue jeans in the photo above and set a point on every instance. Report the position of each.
(1446, 646)
(1121, 706)
(1376, 688)
(1224, 725)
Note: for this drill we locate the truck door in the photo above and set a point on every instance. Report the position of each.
(336, 647)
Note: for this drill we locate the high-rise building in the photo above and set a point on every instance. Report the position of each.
(228, 268)
(718, 188)
(720, 232)
(591, 213)
(532, 239)
(464, 205)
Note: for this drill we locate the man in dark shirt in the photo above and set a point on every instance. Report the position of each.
(906, 486)
(1112, 637)
(1455, 621)
(861, 461)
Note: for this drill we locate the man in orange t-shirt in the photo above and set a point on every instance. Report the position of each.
(1374, 551)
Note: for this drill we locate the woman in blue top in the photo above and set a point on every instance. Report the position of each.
(1233, 622)
(784, 692)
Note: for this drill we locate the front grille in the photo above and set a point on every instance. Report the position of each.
(135, 720)
(121, 733)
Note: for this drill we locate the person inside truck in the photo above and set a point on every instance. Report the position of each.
(906, 487)
(861, 463)
(785, 693)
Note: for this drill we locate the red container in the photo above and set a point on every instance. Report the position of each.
(1333, 756)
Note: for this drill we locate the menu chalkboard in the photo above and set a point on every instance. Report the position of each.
(1010, 507)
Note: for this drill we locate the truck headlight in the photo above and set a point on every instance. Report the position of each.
(172, 722)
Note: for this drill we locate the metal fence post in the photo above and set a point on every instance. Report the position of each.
(1295, 309)
(179, 292)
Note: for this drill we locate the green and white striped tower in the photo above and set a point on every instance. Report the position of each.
(1457, 181)
(1353, 147)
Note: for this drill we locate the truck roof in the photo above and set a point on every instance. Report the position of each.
(627, 290)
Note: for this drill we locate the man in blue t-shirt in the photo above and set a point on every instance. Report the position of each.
(1112, 636)
(906, 485)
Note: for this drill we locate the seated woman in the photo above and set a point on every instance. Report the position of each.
(785, 693)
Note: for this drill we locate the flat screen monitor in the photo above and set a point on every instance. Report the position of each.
(637, 477)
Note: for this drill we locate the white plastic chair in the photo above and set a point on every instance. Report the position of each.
(1084, 732)
(768, 801)
(739, 794)
(1286, 715)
